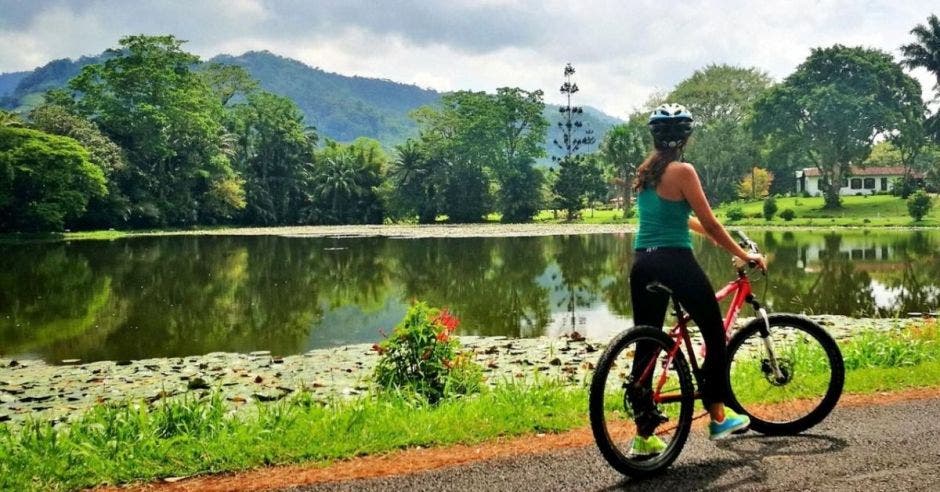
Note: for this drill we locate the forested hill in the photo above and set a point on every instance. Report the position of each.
(340, 107)
(29, 86)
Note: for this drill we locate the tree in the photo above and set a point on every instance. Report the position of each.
(346, 182)
(721, 93)
(755, 184)
(721, 98)
(833, 108)
(520, 132)
(147, 99)
(45, 180)
(571, 186)
(112, 208)
(478, 143)
(228, 81)
(925, 53)
(413, 183)
(273, 152)
(624, 148)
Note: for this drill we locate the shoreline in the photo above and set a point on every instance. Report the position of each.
(422, 231)
(36, 389)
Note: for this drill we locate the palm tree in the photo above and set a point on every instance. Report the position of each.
(925, 52)
(410, 166)
(336, 179)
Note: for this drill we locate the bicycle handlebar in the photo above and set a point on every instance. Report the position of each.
(748, 244)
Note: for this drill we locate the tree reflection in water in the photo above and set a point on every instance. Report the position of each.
(173, 296)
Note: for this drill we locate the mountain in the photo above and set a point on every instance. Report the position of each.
(9, 81)
(29, 88)
(340, 107)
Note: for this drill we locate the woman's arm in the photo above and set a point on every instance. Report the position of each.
(692, 191)
(696, 226)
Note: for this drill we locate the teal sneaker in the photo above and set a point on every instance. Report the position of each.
(648, 447)
(733, 423)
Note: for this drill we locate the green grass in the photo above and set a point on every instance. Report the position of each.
(858, 211)
(111, 445)
(132, 443)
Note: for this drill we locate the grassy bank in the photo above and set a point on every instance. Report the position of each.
(857, 211)
(128, 443)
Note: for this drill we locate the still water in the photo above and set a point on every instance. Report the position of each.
(172, 296)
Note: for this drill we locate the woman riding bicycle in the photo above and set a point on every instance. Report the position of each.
(668, 191)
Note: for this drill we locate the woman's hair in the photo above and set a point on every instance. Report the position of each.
(651, 171)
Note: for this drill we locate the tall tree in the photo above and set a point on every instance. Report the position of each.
(147, 99)
(833, 108)
(273, 152)
(721, 92)
(925, 53)
(519, 135)
(721, 98)
(571, 184)
(415, 182)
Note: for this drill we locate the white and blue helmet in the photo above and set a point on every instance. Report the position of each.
(671, 125)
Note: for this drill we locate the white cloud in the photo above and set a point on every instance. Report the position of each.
(623, 50)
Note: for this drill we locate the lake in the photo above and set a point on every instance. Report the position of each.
(182, 295)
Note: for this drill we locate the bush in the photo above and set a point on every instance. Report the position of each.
(421, 356)
(770, 208)
(919, 204)
(787, 214)
(903, 187)
(734, 213)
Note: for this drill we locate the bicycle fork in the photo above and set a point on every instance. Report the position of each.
(768, 345)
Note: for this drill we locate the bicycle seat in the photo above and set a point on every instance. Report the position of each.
(657, 287)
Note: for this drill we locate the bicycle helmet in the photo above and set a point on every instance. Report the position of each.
(671, 125)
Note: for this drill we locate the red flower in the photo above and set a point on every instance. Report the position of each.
(443, 336)
(447, 320)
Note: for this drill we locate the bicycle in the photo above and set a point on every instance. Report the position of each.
(786, 374)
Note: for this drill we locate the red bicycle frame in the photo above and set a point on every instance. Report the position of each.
(741, 289)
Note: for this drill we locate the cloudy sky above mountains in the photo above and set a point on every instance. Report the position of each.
(623, 50)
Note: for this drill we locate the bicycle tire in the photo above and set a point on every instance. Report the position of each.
(804, 419)
(617, 459)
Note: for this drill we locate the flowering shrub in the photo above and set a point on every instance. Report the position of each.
(422, 355)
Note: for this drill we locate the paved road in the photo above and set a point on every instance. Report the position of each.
(891, 447)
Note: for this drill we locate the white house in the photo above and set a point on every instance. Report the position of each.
(861, 181)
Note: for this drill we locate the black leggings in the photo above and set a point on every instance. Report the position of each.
(677, 269)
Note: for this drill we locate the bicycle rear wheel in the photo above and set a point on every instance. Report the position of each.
(809, 382)
(635, 391)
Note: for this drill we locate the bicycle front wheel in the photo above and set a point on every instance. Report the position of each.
(788, 382)
(639, 392)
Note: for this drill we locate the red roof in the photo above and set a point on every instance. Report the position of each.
(866, 171)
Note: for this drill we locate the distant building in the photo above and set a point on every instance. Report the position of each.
(861, 181)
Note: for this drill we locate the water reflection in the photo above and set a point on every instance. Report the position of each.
(175, 296)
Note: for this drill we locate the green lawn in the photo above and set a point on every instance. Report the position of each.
(870, 211)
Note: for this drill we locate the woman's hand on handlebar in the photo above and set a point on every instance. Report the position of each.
(757, 260)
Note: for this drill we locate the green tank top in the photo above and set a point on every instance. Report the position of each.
(663, 223)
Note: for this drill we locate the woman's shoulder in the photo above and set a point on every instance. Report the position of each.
(680, 169)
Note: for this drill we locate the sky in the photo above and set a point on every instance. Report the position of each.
(624, 51)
